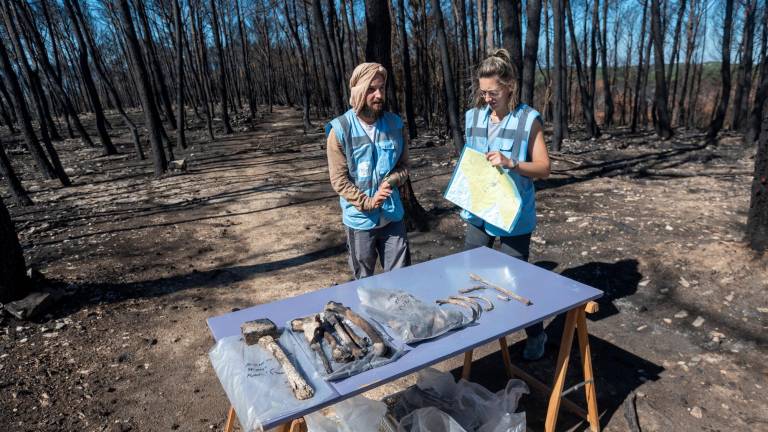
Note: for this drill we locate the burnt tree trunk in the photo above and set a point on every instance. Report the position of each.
(757, 219)
(378, 47)
(533, 12)
(607, 91)
(407, 78)
(90, 86)
(6, 170)
(244, 50)
(22, 114)
(14, 283)
(512, 37)
(756, 117)
(181, 139)
(663, 126)
(587, 104)
(332, 80)
(222, 70)
(639, 76)
(725, 75)
(151, 113)
(560, 106)
(452, 103)
(106, 80)
(744, 77)
(154, 65)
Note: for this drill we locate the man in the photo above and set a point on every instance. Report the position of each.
(367, 161)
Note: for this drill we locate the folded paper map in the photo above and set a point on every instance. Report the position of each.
(484, 190)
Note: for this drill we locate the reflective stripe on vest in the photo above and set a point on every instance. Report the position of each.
(368, 162)
(512, 141)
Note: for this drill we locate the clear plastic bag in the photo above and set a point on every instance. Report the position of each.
(255, 384)
(344, 370)
(357, 414)
(471, 405)
(412, 319)
(429, 419)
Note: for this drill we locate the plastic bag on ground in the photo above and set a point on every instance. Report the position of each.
(357, 414)
(471, 405)
(255, 384)
(412, 319)
(429, 419)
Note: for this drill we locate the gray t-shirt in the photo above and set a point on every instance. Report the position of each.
(493, 130)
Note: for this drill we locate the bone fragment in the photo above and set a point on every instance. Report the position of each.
(472, 288)
(344, 338)
(301, 390)
(453, 301)
(484, 300)
(379, 347)
(502, 290)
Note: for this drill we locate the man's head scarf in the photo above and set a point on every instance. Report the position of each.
(361, 80)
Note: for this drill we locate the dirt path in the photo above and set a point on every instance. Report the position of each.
(657, 226)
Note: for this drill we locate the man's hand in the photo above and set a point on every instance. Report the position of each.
(381, 195)
(499, 160)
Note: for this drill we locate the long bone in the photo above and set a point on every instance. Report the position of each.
(379, 347)
(262, 332)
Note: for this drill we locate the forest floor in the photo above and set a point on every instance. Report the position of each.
(141, 262)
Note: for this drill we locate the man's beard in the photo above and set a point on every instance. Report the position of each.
(370, 112)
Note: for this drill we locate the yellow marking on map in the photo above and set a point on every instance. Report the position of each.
(484, 190)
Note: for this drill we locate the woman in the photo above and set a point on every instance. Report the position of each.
(511, 135)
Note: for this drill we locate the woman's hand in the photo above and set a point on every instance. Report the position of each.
(499, 160)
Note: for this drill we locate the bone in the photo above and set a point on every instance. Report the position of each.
(301, 390)
(379, 347)
(472, 288)
(360, 342)
(473, 303)
(340, 353)
(313, 332)
(263, 331)
(485, 300)
(502, 290)
(343, 336)
(475, 311)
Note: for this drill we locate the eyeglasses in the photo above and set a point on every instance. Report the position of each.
(493, 94)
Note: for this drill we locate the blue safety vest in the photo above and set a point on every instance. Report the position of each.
(512, 142)
(368, 163)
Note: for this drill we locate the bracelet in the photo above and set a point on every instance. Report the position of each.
(515, 164)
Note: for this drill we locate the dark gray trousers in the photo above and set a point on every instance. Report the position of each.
(515, 246)
(389, 243)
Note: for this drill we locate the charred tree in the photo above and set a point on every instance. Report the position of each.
(181, 121)
(639, 76)
(587, 104)
(407, 78)
(452, 103)
(6, 170)
(38, 155)
(757, 219)
(533, 12)
(14, 283)
(512, 35)
(90, 85)
(151, 113)
(744, 76)
(725, 75)
(222, 70)
(378, 47)
(332, 80)
(559, 83)
(663, 121)
(607, 91)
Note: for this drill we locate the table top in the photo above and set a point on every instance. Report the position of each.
(549, 292)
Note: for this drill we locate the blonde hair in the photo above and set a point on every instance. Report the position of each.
(497, 65)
